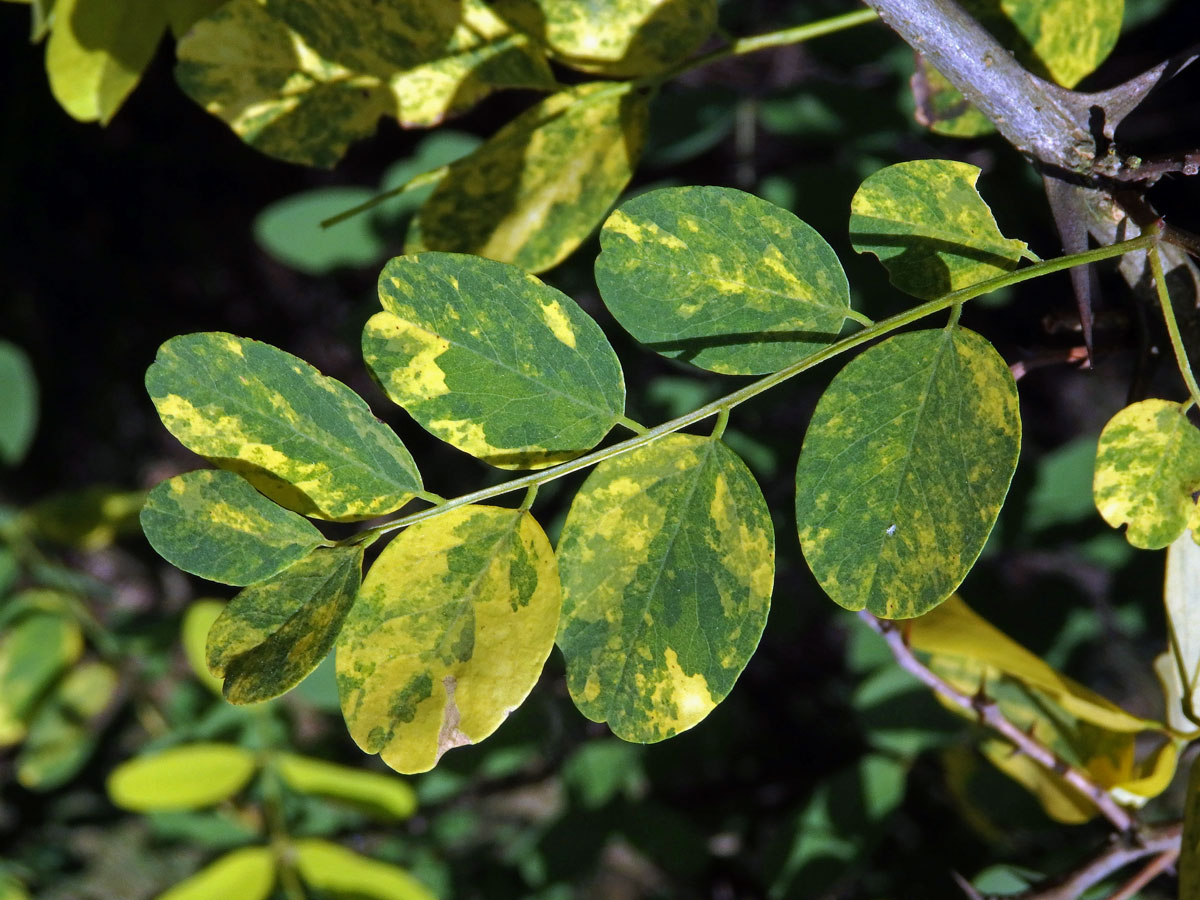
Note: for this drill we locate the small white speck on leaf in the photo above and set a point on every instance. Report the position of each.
(891, 529)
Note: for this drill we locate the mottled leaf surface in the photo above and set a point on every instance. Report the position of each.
(1147, 470)
(930, 228)
(381, 796)
(213, 524)
(34, 650)
(302, 79)
(449, 634)
(721, 279)
(542, 183)
(98, 50)
(1181, 595)
(305, 440)
(63, 735)
(18, 403)
(183, 777)
(274, 633)
(622, 39)
(667, 560)
(905, 465)
(329, 867)
(493, 361)
(244, 874)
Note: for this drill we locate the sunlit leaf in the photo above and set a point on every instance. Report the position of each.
(302, 79)
(245, 874)
(34, 650)
(18, 403)
(1175, 702)
(906, 463)
(1182, 597)
(274, 633)
(928, 225)
(721, 279)
(326, 866)
(667, 560)
(493, 361)
(62, 735)
(304, 439)
(184, 777)
(198, 620)
(384, 797)
(622, 39)
(449, 634)
(213, 524)
(1147, 473)
(97, 52)
(542, 183)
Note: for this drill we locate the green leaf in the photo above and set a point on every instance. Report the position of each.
(274, 633)
(62, 735)
(18, 403)
(183, 14)
(720, 278)
(97, 52)
(449, 634)
(290, 231)
(928, 225)
(1183, 621)
(384, 797)
(493, 361)
(904, 468)
(621, 39)
(1189, 850)
(326, 866)
(214, 524)
(941, 108)
(305, 440)
(198, 620)
(89, 519)
(533, 192)
(245, 874)
(184, 777)
(302, 79)
(1147, 471)
(34, 650)
(667, 560)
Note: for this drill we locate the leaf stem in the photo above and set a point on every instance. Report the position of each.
(417, 181)
(860, 318)
(635, 427)
(1168, 311)
(729, 401)
(430, 497)
(719, 427)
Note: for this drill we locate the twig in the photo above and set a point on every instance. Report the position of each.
(1151, 871)
(1160, 841)
(989, 714)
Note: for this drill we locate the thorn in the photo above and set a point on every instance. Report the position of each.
(966, 887)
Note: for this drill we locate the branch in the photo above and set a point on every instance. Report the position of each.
(989, 714)
(1162, 842)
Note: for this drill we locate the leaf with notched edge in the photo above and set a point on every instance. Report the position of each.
(274, 633)
(667, 560)
(449, 634)
(302, 438)
(213, 524)
(904, 468)
(493, 361)
(539, 186)
(1147, 473)
(721, 279)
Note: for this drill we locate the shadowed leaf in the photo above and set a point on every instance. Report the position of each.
(63, 734)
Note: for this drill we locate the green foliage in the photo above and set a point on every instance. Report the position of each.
(18, 403)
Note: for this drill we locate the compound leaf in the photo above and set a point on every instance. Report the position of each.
(1147, 471)
(184, 777)
(721, 279)
(62, 735)
(930, 228)
(624, 39)
(213, 524)
(305, 440)
(449, 634)
(18, 403)
(904, 468)
(274, 633)
(542, 183)
(244, 874)
(493, 361)
(97, 52)
(330, 867)
(382, 796)
(667, 560)
(302, 79)
(34, 650)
